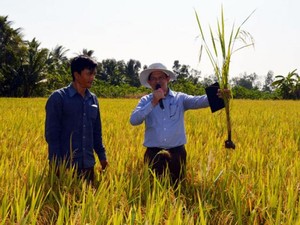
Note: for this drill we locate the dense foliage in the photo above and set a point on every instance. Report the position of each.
(28, 70)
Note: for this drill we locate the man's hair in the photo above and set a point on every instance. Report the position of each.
(82, 62)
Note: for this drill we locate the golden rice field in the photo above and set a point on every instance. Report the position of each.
(257, 183)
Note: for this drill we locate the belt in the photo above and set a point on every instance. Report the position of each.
(177, 148)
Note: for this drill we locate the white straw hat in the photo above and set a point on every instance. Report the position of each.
(155, 67)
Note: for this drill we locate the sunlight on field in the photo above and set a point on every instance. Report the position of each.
(257, 183)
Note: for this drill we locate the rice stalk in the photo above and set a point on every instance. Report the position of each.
(220, 57)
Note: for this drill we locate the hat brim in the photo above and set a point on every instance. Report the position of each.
(145, 74)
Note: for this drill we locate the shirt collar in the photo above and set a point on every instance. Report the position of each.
(171, 93)
(72, 91)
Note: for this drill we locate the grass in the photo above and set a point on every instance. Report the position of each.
(257, 183)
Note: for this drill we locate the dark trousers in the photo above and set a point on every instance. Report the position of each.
(88, 174)
(174, 159)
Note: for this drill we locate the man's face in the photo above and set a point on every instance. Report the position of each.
(158, 77)
(85, 78)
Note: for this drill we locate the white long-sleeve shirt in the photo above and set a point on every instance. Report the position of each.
(164, 128)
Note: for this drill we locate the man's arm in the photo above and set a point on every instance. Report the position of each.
(98, 143)
(53, 125)
(195, 102)
(143, 108)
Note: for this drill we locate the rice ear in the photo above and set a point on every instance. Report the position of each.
(227, 49)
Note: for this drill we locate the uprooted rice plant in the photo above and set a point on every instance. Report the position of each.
(257, 183)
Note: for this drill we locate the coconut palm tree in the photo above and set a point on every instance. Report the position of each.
(87, 52)
(58, 68)
(33, 68)
(113, 71)
(58, 61)
(288, 85)
(58, 54)
(10, 40)
(132, 68)
(12, 50)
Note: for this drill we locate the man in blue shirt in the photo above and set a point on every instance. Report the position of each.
(163, 113)
(73, 124)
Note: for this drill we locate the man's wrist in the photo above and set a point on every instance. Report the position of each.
(154, 103)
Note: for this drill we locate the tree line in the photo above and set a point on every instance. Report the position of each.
(28, 70)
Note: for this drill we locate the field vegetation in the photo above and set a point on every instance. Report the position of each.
(257, 183)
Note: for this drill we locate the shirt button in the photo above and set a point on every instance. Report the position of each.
(165, 128)
(165, 139)
(83, 137)
(84, 114)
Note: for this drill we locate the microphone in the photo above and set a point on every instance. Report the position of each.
(161, 104)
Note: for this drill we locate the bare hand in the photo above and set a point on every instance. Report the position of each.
(157, 95)
(225, 93)
(104, 164)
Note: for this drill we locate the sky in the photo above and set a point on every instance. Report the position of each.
(163, 30)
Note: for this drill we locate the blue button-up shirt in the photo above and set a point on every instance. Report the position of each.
(164, 128)
(73, 127)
